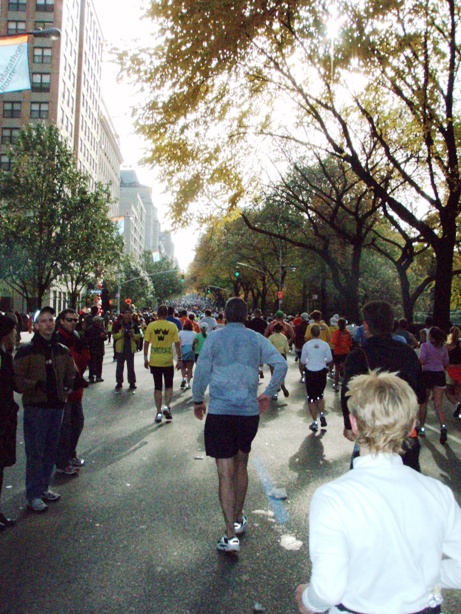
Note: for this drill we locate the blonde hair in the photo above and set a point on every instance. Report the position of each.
(385, 407)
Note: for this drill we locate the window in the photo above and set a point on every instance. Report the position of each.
(39, 110)
(43, 25)
(10, 135)
(45, 5)
(42, 55)
(41, 82)
(5, 162)
(17, 5)
(16, 27)
(12, 109)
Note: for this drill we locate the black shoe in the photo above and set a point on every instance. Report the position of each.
(323, 421)
(6, 522)
(457, 411)
(133, 387)
(285, 392)
(443, 435)
(91, 380)
(167, 413)
(99, 379)
(118, 386)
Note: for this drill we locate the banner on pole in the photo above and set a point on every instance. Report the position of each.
(14, 64)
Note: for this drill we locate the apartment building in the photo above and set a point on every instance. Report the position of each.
(65, 91)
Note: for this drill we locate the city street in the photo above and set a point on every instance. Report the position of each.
(136, 531)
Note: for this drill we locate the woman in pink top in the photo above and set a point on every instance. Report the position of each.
(434, 359)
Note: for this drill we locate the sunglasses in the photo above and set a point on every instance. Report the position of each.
(71, 320)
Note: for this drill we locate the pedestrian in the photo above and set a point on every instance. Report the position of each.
(342, 343)
(382, 538)
(68, 463)
(161, 335)
(171, 317)
(453, 369)
(186, 340)
(110, 325)
(325, 333)
(8, 406)
(316, 357)
(383, 352)
(45, 372)
(280, 342)
(300, 330)
(229, 363)
(208, 319)
(279, 318)
(199, 340)
(96, 336)
(434, 359)
(126, 339)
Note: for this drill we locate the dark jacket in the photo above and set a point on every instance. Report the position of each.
(45, 372)
(78, 347)
(382, 352)
(8, 411)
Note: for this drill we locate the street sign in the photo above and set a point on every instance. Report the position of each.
(95, 291)
(279, 294)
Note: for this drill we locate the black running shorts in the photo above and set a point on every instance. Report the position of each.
(226, 435)
(161, 373)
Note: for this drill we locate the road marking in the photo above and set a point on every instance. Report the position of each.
(280, 513)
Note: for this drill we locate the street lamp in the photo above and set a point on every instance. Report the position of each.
(51, 33)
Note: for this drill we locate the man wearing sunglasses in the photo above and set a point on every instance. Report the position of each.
(68, 462)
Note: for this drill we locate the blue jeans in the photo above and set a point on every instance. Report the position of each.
(41, 436)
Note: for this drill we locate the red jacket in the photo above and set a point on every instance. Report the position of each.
(80, 353)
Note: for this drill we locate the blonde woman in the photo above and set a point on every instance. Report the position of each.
(383, 537)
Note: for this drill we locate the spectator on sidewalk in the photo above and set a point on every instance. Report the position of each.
(126, 338)
(68, 462)
(8, 406)
(45, 372)
(95, 337)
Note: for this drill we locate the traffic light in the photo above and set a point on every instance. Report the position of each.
(237, 273)
(182, 278)
(208, 291)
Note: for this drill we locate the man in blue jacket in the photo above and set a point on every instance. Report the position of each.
(229, 364)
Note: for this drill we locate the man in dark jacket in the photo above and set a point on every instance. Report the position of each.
(45, 372)
(73, 421)
(383, 353)
(8, 406)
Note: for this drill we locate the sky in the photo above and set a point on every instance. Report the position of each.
(122, 26)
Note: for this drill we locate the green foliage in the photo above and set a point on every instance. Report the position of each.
(48, 215)
(165, 276)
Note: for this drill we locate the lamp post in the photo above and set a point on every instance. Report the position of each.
(51, 33)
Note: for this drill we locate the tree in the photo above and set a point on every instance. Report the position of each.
(92, 239)
(164, 275)
(223, 69)
(53, 226)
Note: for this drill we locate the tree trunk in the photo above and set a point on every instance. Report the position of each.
(443, 281)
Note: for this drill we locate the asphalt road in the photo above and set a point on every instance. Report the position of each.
(136, 531)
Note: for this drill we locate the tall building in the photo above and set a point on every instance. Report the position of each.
(65, 87)
(134, 198)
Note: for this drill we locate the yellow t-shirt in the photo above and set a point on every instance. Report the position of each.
(161, 335)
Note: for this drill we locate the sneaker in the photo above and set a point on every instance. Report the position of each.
(183, 384)
(443, 435)
(158, 417)
(69, 470)
(274, 397)
(118, 388)
(91, 380)
(314, 426)
(421, 430)
(37, 505)
(286, 393)
(457, 412)
(239, 527)
(302, 380)
(132, 387)
(228, 545)
(330, 375)
(77, 462)
(323, 421)
(50, 496)
(6, 522)
(99, 379)
(335, 388)
(187, 387)
(167, 412)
